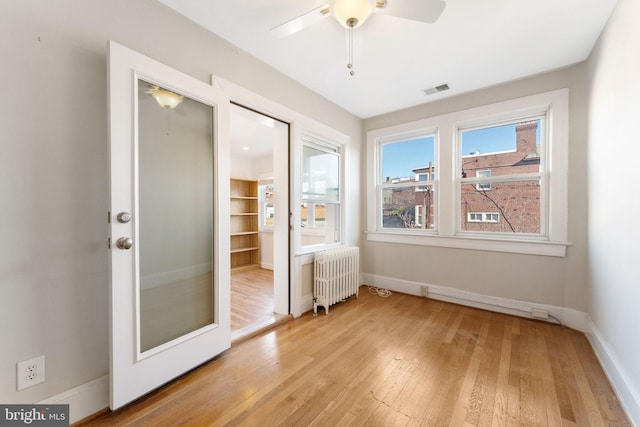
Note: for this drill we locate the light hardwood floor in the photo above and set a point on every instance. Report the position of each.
(251, 297)
(397, 361)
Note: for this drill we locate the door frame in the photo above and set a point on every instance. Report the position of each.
(299, 125)
(283, 298)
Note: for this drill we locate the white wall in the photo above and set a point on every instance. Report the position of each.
(53, 168)
(242, 167)
(552, 281)
(614, 201)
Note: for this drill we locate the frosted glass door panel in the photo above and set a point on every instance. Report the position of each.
(175, 193)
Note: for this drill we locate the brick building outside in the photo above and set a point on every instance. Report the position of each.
(511, 207)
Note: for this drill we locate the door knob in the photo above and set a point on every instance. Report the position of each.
(123, 217)
(124, 243)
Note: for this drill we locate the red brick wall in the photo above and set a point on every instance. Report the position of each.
(517, 203)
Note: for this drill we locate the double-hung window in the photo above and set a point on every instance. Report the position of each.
(502, 170)
(406, 182)
(501, 178)
(320, 202)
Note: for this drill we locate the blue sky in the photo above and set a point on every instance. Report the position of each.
(399, 158)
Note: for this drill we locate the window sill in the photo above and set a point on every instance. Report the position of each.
(312, 249)
(528, 247)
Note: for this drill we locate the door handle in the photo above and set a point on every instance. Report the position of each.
(124, 243)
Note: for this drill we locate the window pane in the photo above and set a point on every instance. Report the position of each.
(510, 207)
(267, 208)
(319, 215)
(411, 160)
(408, 207)
(320, 175)
(502, 150)
(319, 223)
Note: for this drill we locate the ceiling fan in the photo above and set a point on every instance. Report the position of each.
(351, 14)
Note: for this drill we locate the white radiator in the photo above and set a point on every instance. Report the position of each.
(336, 276)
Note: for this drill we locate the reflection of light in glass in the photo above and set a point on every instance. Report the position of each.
(165, 98)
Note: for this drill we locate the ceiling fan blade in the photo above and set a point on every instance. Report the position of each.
(301, 22)
(416, 10)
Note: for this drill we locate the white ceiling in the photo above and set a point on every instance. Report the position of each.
(251, 133)
(474, 44)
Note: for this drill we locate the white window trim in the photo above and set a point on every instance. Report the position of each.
(445, 127)
(410, 133)
(327, 141)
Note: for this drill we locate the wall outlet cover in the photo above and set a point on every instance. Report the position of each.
(30, 372)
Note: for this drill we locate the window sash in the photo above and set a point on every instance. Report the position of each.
(485, 179)
(313, 179)
(315, 233)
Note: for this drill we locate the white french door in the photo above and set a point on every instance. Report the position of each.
(169, 234)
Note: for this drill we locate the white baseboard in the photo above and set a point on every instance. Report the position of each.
(628, 395)
(84, 400)
(266, 265)
(569, 317)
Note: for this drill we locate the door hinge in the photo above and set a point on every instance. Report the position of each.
(108, 242)
(109, 217)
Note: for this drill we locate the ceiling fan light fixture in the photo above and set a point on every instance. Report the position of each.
(352, 13)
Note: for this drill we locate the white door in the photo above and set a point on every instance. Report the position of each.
(169, 223)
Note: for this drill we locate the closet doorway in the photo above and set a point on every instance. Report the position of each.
(259, 220)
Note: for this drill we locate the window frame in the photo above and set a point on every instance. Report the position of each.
(262, 217)
(381, 185)
(332, 147)
(482, 178)
(554, 194)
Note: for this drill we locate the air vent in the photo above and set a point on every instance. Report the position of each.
(439, 88)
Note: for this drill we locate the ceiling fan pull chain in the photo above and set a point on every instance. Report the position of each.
(350, 64)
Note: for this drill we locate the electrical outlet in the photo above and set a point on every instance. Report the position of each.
(539, 313)
(30, 372)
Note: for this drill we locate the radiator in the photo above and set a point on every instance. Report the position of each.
(336, 276)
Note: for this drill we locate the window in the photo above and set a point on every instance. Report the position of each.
(320, 201)
(406, 183)
(483, 217)
(501, 178)
(482, 186)
(266, 199)
(513, 152)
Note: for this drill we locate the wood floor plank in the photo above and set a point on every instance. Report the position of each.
(503, 409)
(397, 361)
(251, 297)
